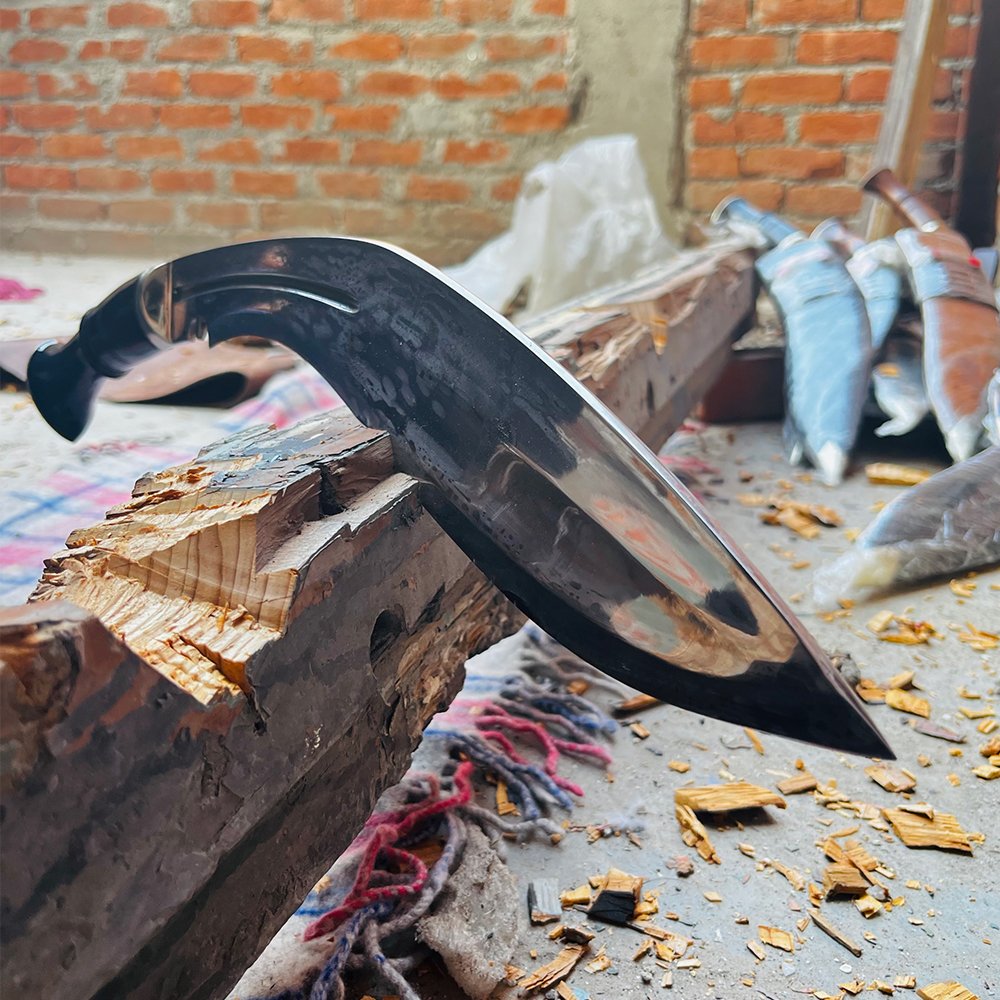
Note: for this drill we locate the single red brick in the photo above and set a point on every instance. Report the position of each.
(703, 196)
(839, 127)
(453, 87)
(74, 147)
(120, 116)
(65, 86)
(162, 83)
(10, 20)
(738, 50)
(828, 48)
(868, 86)
(792, 162)
(211, 83)
(524, 121)
(14, 84)
(477, 11)
(21, 176)
(882, 10)
(324, 84)
(316, 216)
(145, 212)
(137, 15)
(52, 18)
(310, 151)
(550, 83)
(421, 188)
(816, 201)
(709, 91)
(196, 116)
(792, 88)
(107, 179)
(396, 10)
(306, 10)
(148, 147)
(393, 84)
(31, 50)
(350, 184)
(223, 13)
(194, 48)
(17, 147)
(262, 48)
(371, 46)
(230, 151)
(267, 183)
(219, 215)
(549, 8)
(439, 46)
(119, 49)
(718, 15)
(177, 181)
(506, 48)
(475, 153)
(363, 117)
(506, 189)
(753, 126)
(41, 117)
(382, 153)
(276, 116)
(720, 162)
(805, 12)
(72, 209)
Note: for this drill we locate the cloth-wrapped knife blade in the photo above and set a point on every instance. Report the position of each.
(557, 503)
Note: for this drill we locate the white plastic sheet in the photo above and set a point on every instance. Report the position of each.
(584, 221)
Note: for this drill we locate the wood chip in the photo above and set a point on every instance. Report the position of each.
(844, 879)
(891, 627)
(639, 730)
(754, 739)
(577, 935)
(747, 849)
(987, 726)
(901, 681)
(890, 474)
(797, 784)
(868, 906)
(905, 982)
(978, 713)
(644, 949)
(580, 896)
(988, 772)
(940, 830)
(979, 640)
(559, 968)
(802, 518)
(776, 937)
(794, 877)
(946, 991)
(906, 701)
(680, 766)
(727, 798)
(637, 703)
(689, 963)
(938, 732)
(892, 779)
(543, 901)
(599, 963)
(883, 987)
(757, 951)
(854, 987)
(504, 806)
(694, 834)
(712, 897)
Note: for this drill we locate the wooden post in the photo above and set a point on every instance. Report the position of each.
(907, 106)
(255, 643)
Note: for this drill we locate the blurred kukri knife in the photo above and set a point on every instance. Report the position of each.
(559, 504)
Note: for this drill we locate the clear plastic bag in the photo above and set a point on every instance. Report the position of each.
(581, 222)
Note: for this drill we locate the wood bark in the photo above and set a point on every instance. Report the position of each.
(254, 644)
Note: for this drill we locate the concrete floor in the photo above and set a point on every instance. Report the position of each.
(960, 936)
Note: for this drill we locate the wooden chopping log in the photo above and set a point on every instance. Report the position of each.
(255, 643)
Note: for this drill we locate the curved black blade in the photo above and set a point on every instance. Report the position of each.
(557, 502)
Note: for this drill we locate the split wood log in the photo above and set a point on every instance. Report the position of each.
(255, 643)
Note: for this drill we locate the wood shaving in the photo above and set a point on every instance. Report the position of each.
(694, 834)
(905, 701)
(794, 878)
(987, 712)
(776, 937)
(868, 906)
(797, 784)
(979, 640)
(599, 963)
(803, 518)
(940, 830)
(890, 474)
(754, 739)
(892, 779)
(559, 968)
(727, 798)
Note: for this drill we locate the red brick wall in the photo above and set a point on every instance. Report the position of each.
(785, 99)
(137, 123)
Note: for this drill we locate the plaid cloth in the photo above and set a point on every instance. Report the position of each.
(35, 521)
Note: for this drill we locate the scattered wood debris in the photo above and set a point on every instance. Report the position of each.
(990, 748)
(883, 987)
(637, 703)
(511, 974)
(559, 968)
(616, 898)
(987, 726)
(680, 766)
(939, 830)
(644, 949)
(805, 519)
(565, 992)
(776, 937)
(694, 834)
(870, 692)
(797, 784)
(946, 991)
(599, 963)
(906, 701)
(854, 987)
(727, 798)
(890, 627)
(868, 906)
(543, 901)
(978, 713)
(905, 982)
(979, 640)
(844, 879)
(794, 877)
(890, 474)
(892, 779)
